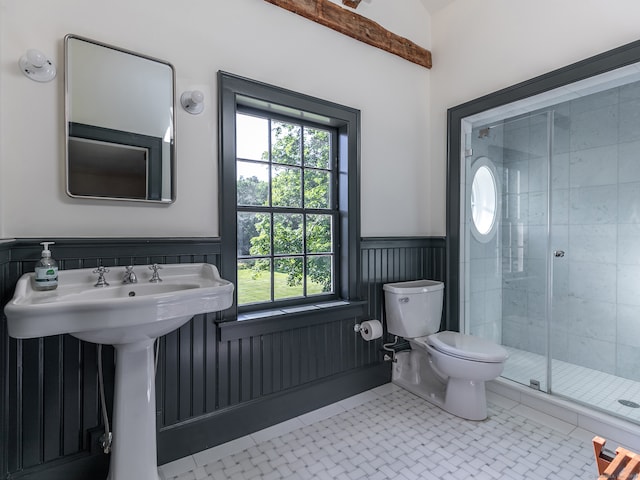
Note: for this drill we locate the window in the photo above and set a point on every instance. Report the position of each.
(289, 196)
(484, 201)
(285, 173)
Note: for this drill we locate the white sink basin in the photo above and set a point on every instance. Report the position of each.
(130, 317)
(118, 313)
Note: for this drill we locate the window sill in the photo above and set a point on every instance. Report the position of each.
(278, 320)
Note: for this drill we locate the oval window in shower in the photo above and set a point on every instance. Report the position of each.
(484, 199)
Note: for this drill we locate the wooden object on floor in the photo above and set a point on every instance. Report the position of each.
(351, 3)
(625, 465)
(356, 26)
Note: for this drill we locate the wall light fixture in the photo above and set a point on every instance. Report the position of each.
(37, 66)
(192, 101)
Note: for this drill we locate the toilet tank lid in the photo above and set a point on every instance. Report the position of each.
(414, 286)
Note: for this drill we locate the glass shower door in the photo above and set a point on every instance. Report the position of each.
(553, 275)
(595, 205)
(592, 239)
(507, 272)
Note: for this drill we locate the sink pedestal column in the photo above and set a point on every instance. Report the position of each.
(133, 452)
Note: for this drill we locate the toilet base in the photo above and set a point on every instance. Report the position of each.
(411, 372)
(462, 398)
(466, 399)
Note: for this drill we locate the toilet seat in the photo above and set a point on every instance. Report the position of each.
(466, 347)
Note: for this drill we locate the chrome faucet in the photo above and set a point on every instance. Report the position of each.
(101, 280)
(155, 277)
(129, 275)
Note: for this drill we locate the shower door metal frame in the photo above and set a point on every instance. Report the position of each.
(549, 295)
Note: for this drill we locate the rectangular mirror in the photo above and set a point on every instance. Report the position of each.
(120, 123)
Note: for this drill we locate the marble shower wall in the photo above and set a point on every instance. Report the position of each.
(595, 219)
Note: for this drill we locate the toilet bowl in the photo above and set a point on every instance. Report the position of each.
(449, 369)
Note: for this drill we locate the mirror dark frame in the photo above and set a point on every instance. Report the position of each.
(604, 62)
(109, 163)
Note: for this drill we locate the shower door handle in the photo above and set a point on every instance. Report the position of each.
(558, 253)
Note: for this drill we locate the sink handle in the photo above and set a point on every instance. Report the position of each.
(156, 276)
(101, 280)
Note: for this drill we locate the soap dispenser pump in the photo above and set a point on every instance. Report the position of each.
(46, 270)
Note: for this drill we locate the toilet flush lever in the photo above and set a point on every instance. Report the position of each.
(558, 253)
(403, 300)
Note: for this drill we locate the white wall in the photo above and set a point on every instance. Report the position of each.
(482, 46)
(246, 37)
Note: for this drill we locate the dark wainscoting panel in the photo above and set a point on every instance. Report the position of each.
(50, 400)
(6, 290)
(209, 390)
(388, 260)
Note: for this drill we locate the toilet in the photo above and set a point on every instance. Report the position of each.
(449, 369)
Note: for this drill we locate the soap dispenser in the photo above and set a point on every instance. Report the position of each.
(46, 270)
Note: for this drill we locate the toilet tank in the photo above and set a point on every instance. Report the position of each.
(413, 309)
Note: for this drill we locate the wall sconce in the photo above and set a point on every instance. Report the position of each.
(192, 101)
(35, 65)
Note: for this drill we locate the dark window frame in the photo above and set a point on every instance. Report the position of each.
(236, 93)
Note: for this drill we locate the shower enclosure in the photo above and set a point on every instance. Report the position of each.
(545, 238)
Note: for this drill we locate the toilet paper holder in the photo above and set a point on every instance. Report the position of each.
(388, 357)
(369, 329)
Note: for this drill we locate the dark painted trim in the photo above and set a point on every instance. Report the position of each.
(604, 62)
(5, 253)
(400, 242)
(287, 321)
(5, 295)
(64, 248)
(81, 466)
(452, 294)
(227, 179)
(234, 422)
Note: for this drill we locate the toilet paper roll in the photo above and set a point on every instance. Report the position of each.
(371, 329)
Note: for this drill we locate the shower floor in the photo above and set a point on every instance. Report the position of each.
(584, 385)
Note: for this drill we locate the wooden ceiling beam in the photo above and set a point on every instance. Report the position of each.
(351, 3)
(356, 26)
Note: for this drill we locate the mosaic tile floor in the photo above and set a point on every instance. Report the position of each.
(591, 387)
(388, 433)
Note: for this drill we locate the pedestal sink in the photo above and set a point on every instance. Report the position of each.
(130, 317)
